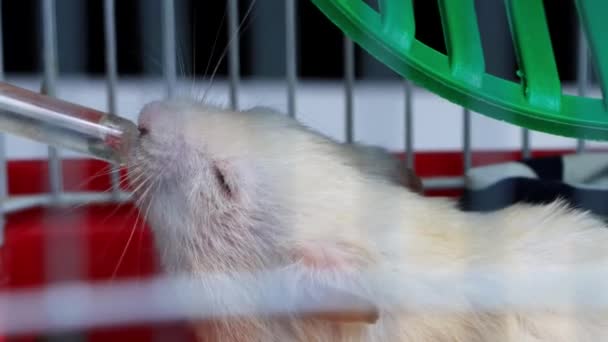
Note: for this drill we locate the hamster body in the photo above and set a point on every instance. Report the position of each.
(372, 159)
(229, 191)
(379, 162)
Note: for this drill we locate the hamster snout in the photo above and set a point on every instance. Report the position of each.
(192, 191)
(156, 115)
(149, 113)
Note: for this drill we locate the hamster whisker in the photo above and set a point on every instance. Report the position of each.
(181, 63)
(134, 180)
(148, 57)
(193, 44)
(151, 181)
(140, 182)
(141, 192)
(240, 29)
(215, 40)
(106, 170)
(124, 251)
(146, 186)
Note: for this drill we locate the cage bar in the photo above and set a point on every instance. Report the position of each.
(582, 76)
(349, 84)
(49, 35)
(592, 16)
(525, 144)
(234, 51)
(169, 55)
(408, 126)
(290, 55)
(466, 139)
(18, 203)
(109, 25)
(138, 301)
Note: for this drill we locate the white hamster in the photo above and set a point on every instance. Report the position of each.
(229, 191)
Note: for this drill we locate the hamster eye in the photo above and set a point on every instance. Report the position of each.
(221, 180)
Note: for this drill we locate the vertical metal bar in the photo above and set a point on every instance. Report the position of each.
(110, 46)
(49, 86)
(3, 163)
(592, 19)
(582, 76)
(582, 79)
(409, 139)
(466, 139)
(525, 143)
(168, 45)
(109, 24)
(234, 51)
(63, 258)
(349, 83)
(290, 55)
(169, 54)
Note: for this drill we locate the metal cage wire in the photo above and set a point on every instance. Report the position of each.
(168, 20)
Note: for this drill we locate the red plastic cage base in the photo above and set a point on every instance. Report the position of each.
(99, 234)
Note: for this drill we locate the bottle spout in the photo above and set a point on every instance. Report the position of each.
(64, 124)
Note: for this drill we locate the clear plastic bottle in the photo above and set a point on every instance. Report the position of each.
(63, 124)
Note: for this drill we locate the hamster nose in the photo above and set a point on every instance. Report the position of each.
(143, 131)
(149, 115)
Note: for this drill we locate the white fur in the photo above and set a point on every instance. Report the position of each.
(295, 194)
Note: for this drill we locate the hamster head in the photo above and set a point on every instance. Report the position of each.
(228, 190)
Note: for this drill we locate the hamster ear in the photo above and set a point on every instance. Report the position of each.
(315, 259)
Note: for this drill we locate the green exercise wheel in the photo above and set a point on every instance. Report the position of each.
(536, 102)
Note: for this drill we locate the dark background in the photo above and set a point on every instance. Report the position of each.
(81, 47)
